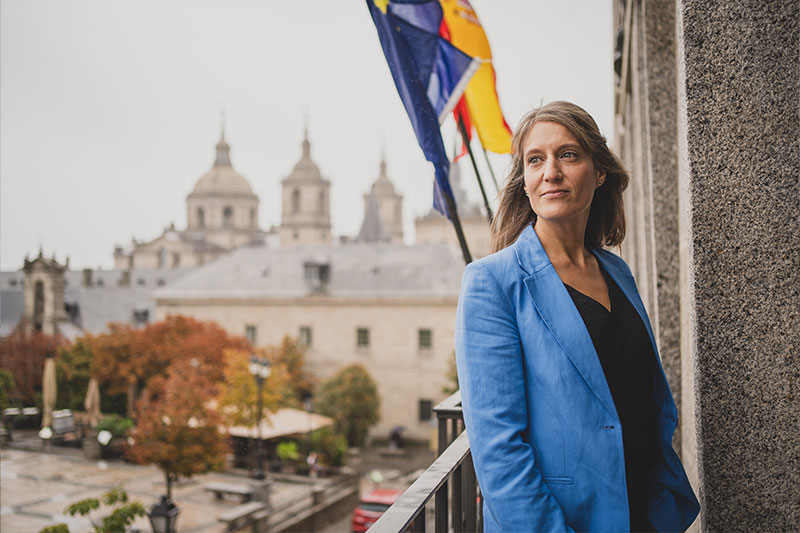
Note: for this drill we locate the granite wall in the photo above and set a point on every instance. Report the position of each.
(710, 130)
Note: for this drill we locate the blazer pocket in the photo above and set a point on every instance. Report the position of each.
(559, 480)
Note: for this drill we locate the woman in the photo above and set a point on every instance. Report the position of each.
(569, 415)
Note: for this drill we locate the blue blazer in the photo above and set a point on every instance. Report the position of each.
(545, 436)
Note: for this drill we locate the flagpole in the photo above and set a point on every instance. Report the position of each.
(491, 170)
(451, 209)
(465, 136)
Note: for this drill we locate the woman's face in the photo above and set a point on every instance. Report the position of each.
(560, 176)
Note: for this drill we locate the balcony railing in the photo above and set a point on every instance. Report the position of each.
(449, 481)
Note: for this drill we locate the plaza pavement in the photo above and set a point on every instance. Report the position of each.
(36, 487)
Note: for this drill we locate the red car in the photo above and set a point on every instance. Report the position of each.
(371, 507)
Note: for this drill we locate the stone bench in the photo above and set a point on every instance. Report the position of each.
(243, 515)
(220, 489)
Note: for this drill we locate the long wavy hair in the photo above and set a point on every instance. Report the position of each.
(606, 224)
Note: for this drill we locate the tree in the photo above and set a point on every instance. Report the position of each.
(177, 429)
(23, 357)
(452, 377)
(123, 514)
(351, 399)
(73, 371)
(6, 384)
(127, 359)
(239, 392)
(291, 354)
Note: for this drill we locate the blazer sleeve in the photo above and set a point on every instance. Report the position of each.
(493, 394)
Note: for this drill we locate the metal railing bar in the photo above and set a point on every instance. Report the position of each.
(470, 495)
(441, 509)
(450, 407)
(409, 505)
(458, 522)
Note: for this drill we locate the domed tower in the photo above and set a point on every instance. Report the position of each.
(389, 205)
(306, 217)
(222, 207)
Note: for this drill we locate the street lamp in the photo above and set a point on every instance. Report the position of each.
(260, 368)
(163, 516)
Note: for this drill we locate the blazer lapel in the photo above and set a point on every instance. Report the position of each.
(558, 312)
(626, 282)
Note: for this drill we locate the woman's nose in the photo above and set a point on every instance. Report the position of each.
(552, 171)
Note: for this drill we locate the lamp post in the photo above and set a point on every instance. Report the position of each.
(260, 368)
(163, 516)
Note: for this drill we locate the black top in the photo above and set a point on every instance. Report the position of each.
(627, 357)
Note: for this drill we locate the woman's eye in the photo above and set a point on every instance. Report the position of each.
(570, 154)
(533, 160)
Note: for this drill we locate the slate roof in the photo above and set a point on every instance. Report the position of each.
(11, 307)
(356, 270)
(105, 301)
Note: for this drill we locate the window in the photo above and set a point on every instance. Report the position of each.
(362, 337)
(140, 282)
(176, 260)
(295, 201)
(316, 274)
(141, 316)
(250, 333)
(252, 218)
(227, 216)
(425, 410)
(162, 257)
(201, 217)
(425, 339)
(305, 335)
(321, 202)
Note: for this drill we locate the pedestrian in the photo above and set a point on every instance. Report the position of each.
(568, 412)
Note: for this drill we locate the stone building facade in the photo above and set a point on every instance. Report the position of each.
(388, 307)
(707, 107)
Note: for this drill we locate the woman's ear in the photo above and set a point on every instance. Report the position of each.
(601, 177)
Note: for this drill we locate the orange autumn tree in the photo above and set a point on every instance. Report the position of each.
(177, 429)
(127, 359)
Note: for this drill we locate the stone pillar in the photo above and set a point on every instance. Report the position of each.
(739, 226)
(649, 151)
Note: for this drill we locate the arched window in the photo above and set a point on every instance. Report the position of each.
(321, 207)
(227, 216)
(38, 306)
(252, 218)
(201, 217)
(296, 201)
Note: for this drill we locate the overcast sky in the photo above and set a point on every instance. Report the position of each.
(110, 110)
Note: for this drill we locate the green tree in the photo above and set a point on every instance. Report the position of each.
(123, 514)
(291, 354)
(452, 377)
(6, 384)
(73, 371)
(351, 399)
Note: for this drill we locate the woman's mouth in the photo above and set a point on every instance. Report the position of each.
(555, 193)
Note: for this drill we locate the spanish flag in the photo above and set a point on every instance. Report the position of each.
(463, 29)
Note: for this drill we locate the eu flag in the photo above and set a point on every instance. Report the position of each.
(428, 71)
